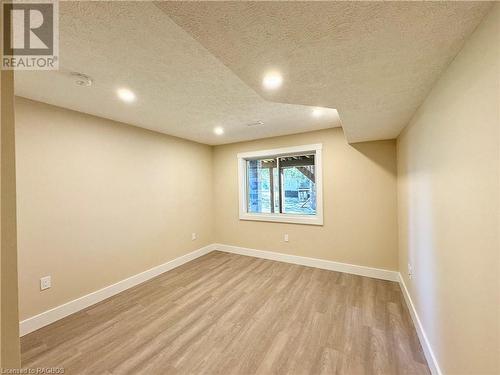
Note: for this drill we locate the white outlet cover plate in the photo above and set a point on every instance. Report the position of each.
(45, 282)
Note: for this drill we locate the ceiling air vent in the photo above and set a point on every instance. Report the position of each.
(256, 123)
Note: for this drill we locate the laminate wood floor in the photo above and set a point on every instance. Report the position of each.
(230, 314)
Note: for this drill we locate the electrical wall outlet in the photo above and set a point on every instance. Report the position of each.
(45, 282)
(285, 238)
(194, 236)
(410, 271)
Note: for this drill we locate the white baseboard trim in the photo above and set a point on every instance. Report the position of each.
(50, 316)
(426, 346)
(376, 273)
(71, 307)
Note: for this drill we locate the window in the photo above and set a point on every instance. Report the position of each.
(282, 185)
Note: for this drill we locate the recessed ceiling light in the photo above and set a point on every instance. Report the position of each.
(317, 112)
(272, 80)
(126, 95)
(218, 130)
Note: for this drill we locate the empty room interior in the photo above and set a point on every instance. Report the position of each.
(250, 188)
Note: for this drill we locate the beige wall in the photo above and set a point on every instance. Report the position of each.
(9, 328)
(99, 201)
(359, 200)
(448, 166)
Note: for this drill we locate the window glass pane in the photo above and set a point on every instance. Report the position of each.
(262, 180)
(298, 184)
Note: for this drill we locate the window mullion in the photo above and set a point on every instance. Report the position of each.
(280, 185)
(271, 188)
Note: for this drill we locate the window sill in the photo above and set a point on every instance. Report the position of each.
(277, 218)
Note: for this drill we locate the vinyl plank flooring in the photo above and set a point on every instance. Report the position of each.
(230, 314)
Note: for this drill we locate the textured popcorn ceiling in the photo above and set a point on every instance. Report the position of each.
(181, 88)
(374, 62)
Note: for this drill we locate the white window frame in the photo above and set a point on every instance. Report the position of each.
(315, 149)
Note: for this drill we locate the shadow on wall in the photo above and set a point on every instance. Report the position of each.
(422, 251)
(371, 150)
